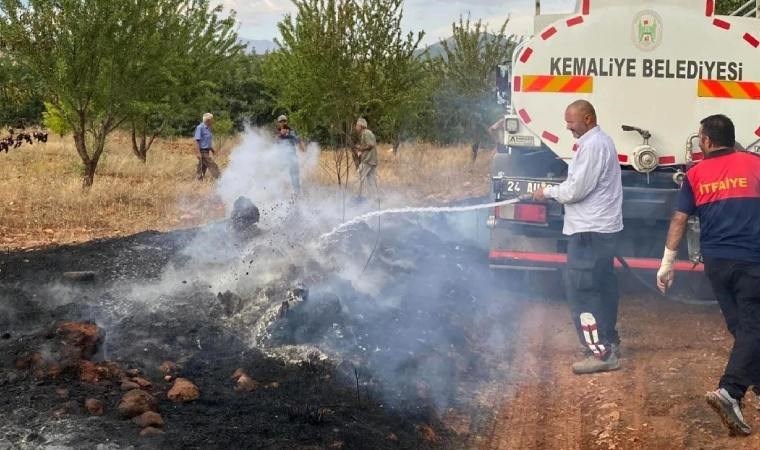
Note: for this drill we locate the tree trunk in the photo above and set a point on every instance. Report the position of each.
(396, 144)
(139, 149)
(89, 174)
(91, 165)
(475, 148)
(80, 142)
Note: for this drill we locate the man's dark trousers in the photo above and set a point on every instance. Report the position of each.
(591, 283)
(736, 285)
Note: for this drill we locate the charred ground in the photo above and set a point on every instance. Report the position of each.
(344, 368)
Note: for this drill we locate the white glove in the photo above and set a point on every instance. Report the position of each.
(666, 274)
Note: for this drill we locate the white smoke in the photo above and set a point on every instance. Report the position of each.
(259, 169)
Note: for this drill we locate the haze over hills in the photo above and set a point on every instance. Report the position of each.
(262, 46)
(436, 50)
(259, 46)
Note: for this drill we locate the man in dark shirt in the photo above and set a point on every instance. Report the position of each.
(723, 190)
(289, 138)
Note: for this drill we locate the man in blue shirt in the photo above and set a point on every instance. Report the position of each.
(204, 140)
(723, 190)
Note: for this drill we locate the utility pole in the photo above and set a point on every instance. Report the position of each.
(538, 7)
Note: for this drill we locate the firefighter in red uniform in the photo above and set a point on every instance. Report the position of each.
(724, 192)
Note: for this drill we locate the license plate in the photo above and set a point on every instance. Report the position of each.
(524, 186)
(516, 140)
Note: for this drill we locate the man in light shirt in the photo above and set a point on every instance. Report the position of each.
(366, 150)
(204, 140)
(593, 200)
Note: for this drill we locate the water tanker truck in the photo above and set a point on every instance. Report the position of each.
(652, 70)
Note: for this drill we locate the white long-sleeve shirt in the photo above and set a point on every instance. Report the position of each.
(593, 191)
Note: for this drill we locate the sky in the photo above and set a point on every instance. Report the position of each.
(258, 18)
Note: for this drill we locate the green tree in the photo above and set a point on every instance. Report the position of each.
(20, 101)
(241, 92)
(55, 120)
(223, 130)
(394, 80)
(191, 53)
(94, 59)
(465, 101)
(339, 59)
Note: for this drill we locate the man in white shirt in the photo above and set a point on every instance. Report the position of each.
(593, 200)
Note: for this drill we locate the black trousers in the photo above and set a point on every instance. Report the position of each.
(736, 285)
(591, 283)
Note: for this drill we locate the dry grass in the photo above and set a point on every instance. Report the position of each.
(43, 202)
(423, 172)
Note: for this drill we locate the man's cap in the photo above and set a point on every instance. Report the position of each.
(282, 118)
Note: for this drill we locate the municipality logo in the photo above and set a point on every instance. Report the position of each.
(647, 30)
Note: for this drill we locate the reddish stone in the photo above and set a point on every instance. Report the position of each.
(136, 402)
(168, 367)
(151, 432)
(109, 370)
(237, 374)
(28, 361)
(22, 363)
(94, 407)
(149, 419)
(53, 370)
(427, 433)
(246, 384)
(88, 372)
(82, 336)
(127, 385)
(142, 382)
(168, 378)
(33, 360)
(183, 391)
(133, 372)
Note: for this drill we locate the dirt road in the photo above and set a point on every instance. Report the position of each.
(671, 355)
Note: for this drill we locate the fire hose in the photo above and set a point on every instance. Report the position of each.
(378, 213)
(654, 289)
(643, 282)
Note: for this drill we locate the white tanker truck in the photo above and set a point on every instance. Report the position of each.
(653, 70)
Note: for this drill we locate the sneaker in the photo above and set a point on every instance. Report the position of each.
(729, 411)
(593, 364)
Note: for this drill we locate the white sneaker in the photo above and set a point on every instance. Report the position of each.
(729, 411)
